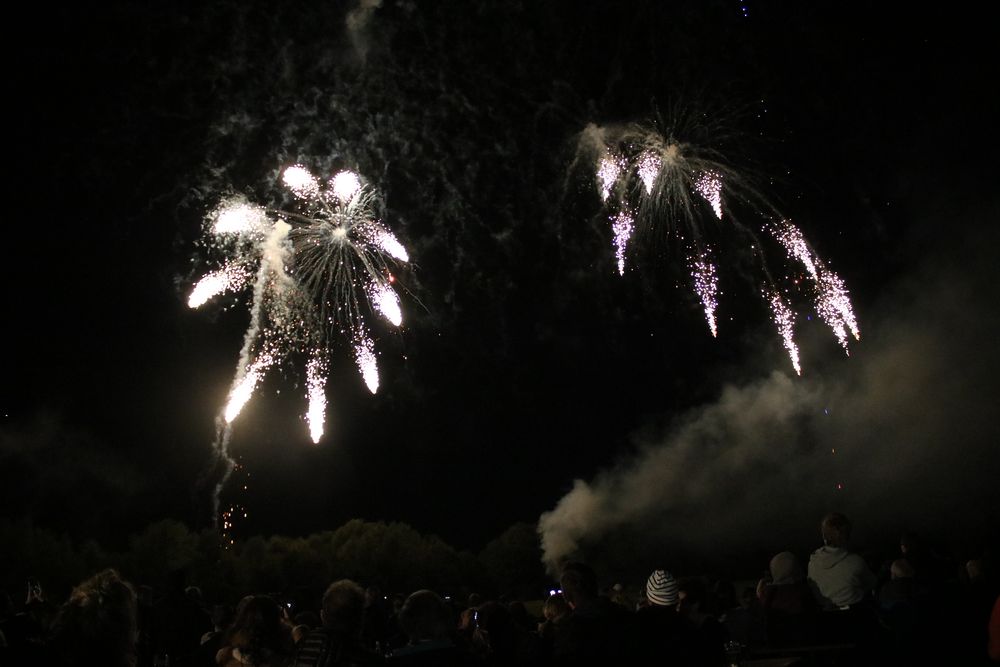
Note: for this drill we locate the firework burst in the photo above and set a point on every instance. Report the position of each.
(650, 182)
(315, 273)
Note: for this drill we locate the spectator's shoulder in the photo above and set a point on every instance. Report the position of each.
(320, 648)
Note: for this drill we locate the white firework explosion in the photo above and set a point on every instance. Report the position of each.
(314, 273)
(654, 184)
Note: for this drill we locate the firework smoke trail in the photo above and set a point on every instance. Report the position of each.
(237, 220)
(658, 184)
(311, 267)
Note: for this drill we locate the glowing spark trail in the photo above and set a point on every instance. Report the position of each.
(832, 301)
(709, 186)
(622, 228)
(344, 185)
(791, 237)
(607, 174)
(389, 245)
(364, 355)
(387, 303)
(311, 272)
(706, 284)
(240, 218)
(212, 284)
(834, 306)
(301, 182)
(784, 319)
(649, 169)
(316, 383)
(242, 392)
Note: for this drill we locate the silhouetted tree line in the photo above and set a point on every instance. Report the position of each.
(392, 556)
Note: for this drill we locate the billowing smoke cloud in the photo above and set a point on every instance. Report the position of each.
(899, 436)
(688, 490)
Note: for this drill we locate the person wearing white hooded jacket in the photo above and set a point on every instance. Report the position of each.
(838, 578)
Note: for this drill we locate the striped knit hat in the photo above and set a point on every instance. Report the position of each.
(661, 588)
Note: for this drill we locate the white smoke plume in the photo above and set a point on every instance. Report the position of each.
(898, 437)
(728, 455)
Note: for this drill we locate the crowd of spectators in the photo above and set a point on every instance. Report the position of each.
(838, 609)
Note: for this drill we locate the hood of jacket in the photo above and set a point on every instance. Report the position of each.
(828, 557)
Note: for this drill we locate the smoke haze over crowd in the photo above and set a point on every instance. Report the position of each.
(897, 437)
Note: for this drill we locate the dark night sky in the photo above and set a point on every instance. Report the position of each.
(525, 362)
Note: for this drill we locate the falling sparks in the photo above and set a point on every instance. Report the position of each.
(298, 179)
(709, 186)
(607, 173)
(226, 279)
(784, 319)
(236, 511)
(309, 266)
(316, 384)
(344, 185)
(387, 303)
(834, 306)
(706, 285)
(244, 388)
(314, 273)
(649, 169)
(389, 245)
(240, 218)
(832, 300)
(650, 181)
(364, 356)
(791, 238)
(622, 228)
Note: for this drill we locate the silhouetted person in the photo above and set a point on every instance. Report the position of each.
(258, 635)
(900, 602)
(97, 625)
(660, 630)
(24, 629)
(706, 637)
(597, 629)
(993, 632)
(212, 642)
(375, 628)
(787, 602)
(554, 610)
(177, 623)
(428, 623)
(338, 642)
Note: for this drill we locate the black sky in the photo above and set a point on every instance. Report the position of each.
(525, 362)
